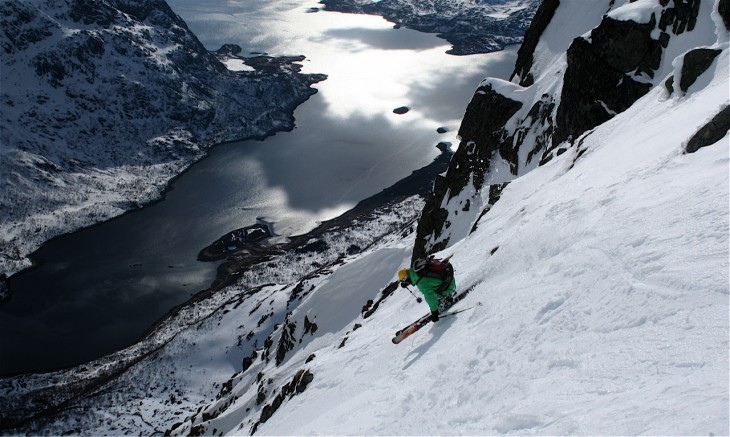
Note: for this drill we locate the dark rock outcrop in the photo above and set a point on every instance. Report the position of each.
(710, 133)
(480, 136)
(286, 341)
(297, 385)
(598, 81)
(695, 63)
(526, 52)
(248, 361)
(724, 9)
(480, 139)
(495, 192)
(680, 16)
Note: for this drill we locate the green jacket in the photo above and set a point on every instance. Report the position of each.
(428, 286)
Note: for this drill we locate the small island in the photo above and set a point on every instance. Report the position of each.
(244, 239)
(401, 110)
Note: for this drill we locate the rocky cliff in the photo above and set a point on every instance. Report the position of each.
(566, 83)
(102, 102)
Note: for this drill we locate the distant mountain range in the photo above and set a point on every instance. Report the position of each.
(470, 26)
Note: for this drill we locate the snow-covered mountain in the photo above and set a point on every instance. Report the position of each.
(562, 88)
(470, 26)
(594, 240)
(104, 101)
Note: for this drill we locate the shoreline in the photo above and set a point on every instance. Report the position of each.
(88, 376)
(471, 31)
(263, 64)
(246, 253)
(419, 183)
(236, 263)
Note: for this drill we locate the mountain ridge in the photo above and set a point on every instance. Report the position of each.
(539, 119)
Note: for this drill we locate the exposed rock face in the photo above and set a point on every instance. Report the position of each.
(712, 132)
(695, 63)
(542, 113)
(598, 82)
(724, 10)
(679, 15)
(526, 52)
(296, 386)
(481, 139)
(104, 101)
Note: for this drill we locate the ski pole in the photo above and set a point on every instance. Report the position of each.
(418, 299)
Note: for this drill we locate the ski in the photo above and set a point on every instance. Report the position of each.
(453, 313)
(425, 320)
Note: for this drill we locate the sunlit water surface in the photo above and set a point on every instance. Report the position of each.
(348, 143)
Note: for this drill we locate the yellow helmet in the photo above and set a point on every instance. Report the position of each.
(402, 273)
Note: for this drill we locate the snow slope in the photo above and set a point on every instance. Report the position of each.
(599, 306)
(604, 308)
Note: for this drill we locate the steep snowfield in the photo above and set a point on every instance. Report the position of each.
(604, 310)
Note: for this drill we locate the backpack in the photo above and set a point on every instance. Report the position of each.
(437, 268)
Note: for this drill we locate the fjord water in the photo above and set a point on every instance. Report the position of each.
(98, 290)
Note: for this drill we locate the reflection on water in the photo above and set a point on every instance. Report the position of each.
(359, 39)
(99, 290)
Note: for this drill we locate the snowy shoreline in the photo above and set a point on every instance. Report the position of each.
(372, 221)
(242, 253)
(142, 201)
(470, 27)
(134, 201)
(76, 155)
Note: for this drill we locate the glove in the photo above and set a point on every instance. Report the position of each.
(403, 284)
(434, 316)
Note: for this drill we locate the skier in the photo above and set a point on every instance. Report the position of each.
(438, 291)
